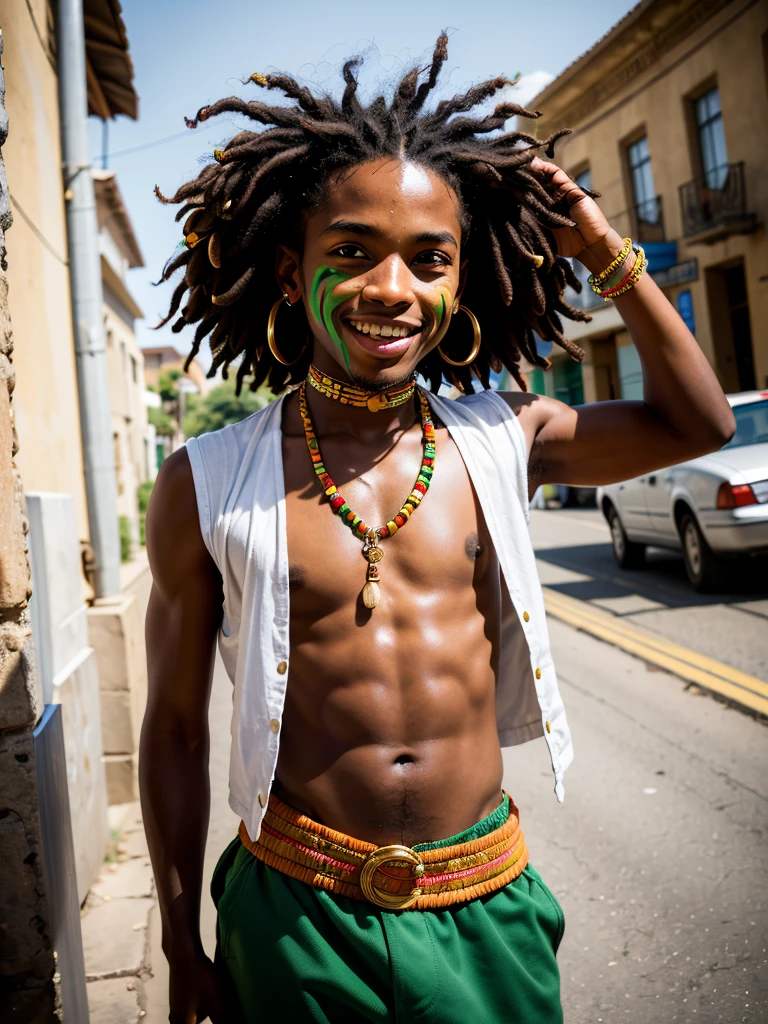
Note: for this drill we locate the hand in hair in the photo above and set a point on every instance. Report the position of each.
(590, 225)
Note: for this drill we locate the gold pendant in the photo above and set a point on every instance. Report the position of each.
(371, 590)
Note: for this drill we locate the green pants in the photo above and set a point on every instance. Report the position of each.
(294, 953)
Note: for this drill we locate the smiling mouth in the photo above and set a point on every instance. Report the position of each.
(384, 330)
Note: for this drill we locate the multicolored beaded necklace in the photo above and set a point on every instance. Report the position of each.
(370, 536)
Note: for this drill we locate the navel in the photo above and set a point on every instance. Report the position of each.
(403, 759)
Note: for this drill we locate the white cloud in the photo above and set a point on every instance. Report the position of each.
(525, 90)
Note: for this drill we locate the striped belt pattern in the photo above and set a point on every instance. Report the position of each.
(391, 877)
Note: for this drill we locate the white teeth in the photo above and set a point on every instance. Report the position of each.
(379, 330)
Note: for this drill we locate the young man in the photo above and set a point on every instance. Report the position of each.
(379, 873)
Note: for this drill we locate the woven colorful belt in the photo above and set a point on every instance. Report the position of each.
(392, 877)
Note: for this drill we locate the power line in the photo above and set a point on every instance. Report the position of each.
(151, 145)
(37, 232)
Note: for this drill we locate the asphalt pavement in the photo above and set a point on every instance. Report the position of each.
(658, 853)
(575, 559)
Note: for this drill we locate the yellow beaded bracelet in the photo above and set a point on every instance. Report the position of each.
(595, 280)
(641, 265)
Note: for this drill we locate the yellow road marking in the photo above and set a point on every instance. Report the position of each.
(737, 686)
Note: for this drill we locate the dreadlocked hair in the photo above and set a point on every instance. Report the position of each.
(251, 198)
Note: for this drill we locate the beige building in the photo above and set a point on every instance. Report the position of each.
(162, 358)
(131, 443)
(669, 113)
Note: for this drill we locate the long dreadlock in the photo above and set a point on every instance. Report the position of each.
(251, 198)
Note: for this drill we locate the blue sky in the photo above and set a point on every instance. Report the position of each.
(187, 54)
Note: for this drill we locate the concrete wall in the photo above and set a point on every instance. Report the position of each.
(649, 94)
(46, 397)
(69, 673)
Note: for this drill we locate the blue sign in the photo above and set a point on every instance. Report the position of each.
(660, 255)
(685, 309)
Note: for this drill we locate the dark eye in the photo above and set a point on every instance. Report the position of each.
(434, 258)
(350, 251)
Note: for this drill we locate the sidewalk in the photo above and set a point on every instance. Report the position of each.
(125, 967)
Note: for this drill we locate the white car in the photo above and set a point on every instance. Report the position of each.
(711, 507)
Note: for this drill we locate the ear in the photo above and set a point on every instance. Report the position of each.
(463, 272)
(288, 272)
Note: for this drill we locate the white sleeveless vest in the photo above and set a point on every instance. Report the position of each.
(238, 476)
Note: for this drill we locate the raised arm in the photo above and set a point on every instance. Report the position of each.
(684, 412)
(182, 619)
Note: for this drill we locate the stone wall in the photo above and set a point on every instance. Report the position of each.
(28, 989)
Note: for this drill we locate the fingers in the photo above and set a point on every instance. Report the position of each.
(548, 169)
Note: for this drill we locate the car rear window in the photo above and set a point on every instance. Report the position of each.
(751, 424)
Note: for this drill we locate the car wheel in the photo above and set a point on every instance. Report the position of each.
(628, 553)
(705, 570)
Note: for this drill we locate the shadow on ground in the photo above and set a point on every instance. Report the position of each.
(662, 580)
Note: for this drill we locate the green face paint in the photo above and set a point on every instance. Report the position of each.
(323, 303)
(440, 305)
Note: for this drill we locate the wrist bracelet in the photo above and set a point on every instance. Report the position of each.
(629, 282)
(596, 280)
(619, 276)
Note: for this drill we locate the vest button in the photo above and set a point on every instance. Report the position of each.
(274, 725)
(282, 668)
(526, 616)
(538, 673)
(549, 726)
(262, 799)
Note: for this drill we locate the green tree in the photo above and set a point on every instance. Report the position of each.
(167, 386)
(165, 425)
(222, 406)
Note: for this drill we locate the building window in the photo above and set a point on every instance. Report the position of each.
(134, 369)
(714, 155)
(641, 175)
(584, 180)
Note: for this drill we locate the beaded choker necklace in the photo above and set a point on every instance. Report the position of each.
(350, 394)
(370, 536)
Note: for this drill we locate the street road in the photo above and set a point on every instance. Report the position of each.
(658, 853)
(575, 558)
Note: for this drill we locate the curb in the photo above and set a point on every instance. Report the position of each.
(736, 687)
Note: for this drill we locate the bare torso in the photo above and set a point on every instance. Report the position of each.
(389, 728)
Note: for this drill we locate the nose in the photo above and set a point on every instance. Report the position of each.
(390, 283)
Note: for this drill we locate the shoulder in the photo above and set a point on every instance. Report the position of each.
(532, 411)
(174, 540)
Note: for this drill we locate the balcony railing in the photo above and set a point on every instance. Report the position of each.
(715, 205)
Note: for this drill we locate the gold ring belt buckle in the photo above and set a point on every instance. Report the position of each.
(385, 854)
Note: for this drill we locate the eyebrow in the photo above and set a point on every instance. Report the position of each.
(353, 227)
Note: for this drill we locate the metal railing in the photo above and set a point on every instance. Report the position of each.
(714, 199)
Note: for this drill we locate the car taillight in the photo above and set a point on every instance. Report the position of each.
(735, 496)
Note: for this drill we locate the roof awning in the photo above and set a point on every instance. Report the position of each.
(108, 63)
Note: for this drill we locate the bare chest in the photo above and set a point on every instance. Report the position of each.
(443, 549)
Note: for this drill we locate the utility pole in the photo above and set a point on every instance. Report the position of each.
(87, 301)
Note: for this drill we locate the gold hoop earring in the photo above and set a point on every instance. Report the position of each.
(475, 339)
(271, 333)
